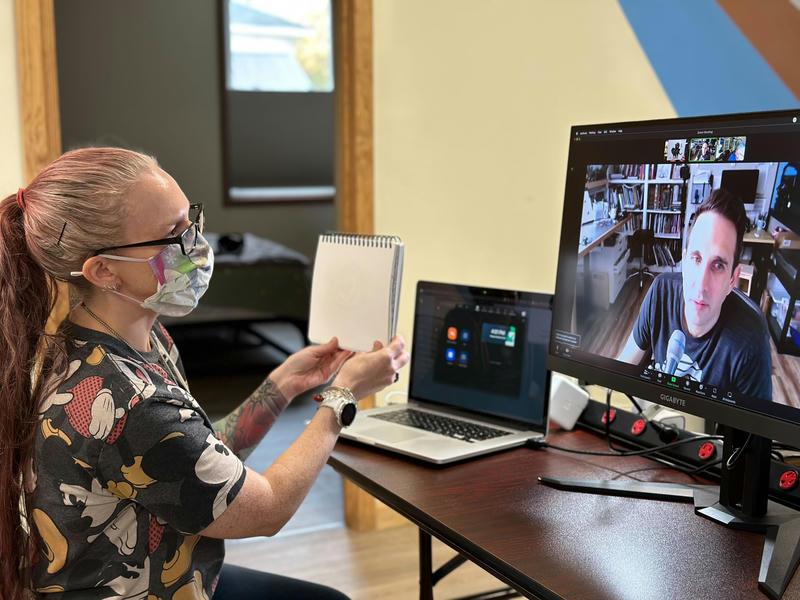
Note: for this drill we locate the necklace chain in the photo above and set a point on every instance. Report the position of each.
(111, 330)
(161, 359)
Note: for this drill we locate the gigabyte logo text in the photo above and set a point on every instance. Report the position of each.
(672, 400)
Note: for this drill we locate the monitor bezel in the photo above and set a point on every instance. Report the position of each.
(773, 426)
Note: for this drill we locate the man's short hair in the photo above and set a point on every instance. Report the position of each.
(731, 207)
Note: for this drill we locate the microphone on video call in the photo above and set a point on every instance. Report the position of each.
(675, 348)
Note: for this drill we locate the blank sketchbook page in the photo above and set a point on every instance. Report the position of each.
(355, 290)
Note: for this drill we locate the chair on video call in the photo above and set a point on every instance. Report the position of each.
(640, 244)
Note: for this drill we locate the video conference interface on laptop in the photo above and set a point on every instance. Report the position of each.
(482, 350)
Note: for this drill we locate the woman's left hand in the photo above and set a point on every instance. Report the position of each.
(308, 368)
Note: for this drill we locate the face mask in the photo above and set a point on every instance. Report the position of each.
(182, 279)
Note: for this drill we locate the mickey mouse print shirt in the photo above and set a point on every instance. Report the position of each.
(127, 472)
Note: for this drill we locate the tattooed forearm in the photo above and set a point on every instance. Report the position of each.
(244, 428)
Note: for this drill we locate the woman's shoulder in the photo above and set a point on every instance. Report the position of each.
(96, 372)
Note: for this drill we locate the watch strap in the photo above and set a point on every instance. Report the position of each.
(337, 398)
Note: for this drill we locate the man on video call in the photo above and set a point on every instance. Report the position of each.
(705, 152)
(691, 325)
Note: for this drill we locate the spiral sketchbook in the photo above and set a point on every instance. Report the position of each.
(355, 290)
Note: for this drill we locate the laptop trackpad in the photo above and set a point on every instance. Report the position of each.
(391, 434)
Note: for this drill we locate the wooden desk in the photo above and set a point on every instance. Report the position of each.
(596, 232)
(553, 544)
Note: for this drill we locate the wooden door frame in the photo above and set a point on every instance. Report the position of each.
(355, 184)
(354, 168)
(39, 110)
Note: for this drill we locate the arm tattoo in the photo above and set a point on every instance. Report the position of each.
(244, 428)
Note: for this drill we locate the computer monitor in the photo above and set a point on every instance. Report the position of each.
(647, 298)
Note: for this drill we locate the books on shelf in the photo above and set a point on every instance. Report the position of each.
(663, 171)
(664, 196)
(633, 224)
(645, 171)
(666, 253)
(631, 197)
(665, 223)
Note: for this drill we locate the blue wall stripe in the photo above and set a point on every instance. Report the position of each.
(704, 62)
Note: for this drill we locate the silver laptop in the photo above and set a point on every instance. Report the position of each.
(478, 378)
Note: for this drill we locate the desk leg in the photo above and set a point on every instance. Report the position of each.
(425, 566)
(428, 577)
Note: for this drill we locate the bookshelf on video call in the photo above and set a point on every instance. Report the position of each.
(651, 195)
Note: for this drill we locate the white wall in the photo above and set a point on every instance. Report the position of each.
(11, 164)
(473, 104)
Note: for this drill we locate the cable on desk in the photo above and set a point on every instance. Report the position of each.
(698, 438)
(666, 433)
(701, 468)
(607, 424)
(737, 453)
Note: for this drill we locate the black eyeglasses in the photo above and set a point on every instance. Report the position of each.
(186, 240)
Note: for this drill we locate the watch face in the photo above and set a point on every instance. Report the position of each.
(348, 413)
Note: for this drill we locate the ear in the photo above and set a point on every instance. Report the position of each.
(735, 276)
(98, 271)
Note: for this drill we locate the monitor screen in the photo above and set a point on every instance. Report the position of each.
(482, 349)
(672, 289)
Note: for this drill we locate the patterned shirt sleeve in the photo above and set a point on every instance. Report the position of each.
(168, 460)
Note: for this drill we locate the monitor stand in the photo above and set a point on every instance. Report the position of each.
(740, 502)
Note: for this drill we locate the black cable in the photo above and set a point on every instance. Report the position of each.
(611, 447)
(697, 438)
(637, 407)
(666, 433)
(702, 468)
(737, 454)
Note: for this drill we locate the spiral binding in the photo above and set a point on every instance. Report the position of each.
(361, 239)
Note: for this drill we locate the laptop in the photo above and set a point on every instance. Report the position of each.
(478, 380)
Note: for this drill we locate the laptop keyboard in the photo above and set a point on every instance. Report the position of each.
(455, 428)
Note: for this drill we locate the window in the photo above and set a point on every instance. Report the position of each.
(277, 100)
(280, 46)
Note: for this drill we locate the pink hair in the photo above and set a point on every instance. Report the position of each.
(73, 206)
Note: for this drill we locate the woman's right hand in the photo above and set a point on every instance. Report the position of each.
(368, 372)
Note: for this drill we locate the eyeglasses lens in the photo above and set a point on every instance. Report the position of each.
(189, 239)
(197, 217)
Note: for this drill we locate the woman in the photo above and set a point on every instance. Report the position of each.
(127, 487)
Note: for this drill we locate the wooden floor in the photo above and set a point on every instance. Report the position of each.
(364, 565)
(608, 334)
(785, 377)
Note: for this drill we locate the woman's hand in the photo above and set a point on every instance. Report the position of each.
(308, 368)
(368, 372)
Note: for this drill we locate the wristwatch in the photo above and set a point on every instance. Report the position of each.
(342, 401)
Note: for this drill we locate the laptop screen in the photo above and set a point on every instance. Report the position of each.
(482, 350)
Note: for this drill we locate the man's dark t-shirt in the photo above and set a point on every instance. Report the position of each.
(734, 355)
